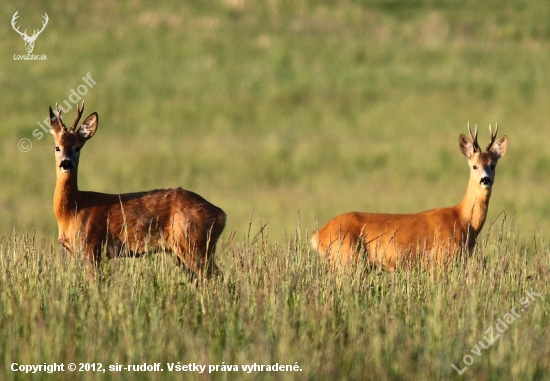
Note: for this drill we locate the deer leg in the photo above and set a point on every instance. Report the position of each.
(185, 249)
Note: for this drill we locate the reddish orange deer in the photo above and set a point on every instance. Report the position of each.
(131, 224)
(438, 234)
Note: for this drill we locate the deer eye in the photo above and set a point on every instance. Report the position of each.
(77, 149)
(57, 149)
(474, 167)
(493, 166)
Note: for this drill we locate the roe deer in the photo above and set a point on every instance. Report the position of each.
(440, 233)
(128, 224)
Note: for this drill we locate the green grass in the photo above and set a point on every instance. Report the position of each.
(292, 112)
(279, 303)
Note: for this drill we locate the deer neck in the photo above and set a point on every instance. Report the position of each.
(65, 195)
(474, 206)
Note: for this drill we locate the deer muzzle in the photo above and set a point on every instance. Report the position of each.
(66, 165)
(486, 181)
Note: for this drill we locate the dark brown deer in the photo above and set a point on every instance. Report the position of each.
(118, 225)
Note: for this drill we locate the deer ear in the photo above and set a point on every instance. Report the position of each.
(88, 127)
(499, 147)
(466, 146)
(55, 122)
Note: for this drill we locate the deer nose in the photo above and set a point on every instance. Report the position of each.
(486, 180)
(66, 165)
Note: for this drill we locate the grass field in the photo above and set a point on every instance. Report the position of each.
(284, 114)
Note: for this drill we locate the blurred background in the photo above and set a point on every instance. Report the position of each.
(288, 111)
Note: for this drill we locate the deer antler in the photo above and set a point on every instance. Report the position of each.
(474, 138)
(15, 17)
(493, 136)
(58, 114)
(78, 116)
(24, 34)
(36, 33)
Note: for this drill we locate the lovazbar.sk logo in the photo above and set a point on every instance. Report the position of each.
(29, 40)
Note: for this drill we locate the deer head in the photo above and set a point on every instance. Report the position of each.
(68, 142)
(29, 40)
(483, 163)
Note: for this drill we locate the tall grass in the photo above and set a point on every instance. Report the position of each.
(278, 303)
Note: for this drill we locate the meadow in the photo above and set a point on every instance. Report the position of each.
(284, 114)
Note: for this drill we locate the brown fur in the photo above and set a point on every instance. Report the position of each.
(129, 224)
(438, 234)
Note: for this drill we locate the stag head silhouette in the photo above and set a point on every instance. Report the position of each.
(29, 40)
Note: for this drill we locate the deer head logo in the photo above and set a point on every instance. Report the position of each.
(29, 40)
